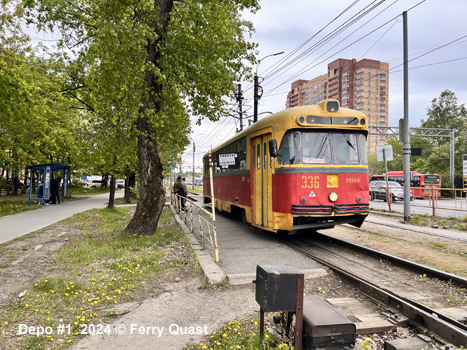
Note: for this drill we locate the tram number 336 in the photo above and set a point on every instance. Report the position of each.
(310, 181)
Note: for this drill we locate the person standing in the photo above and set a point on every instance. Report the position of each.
(54, 190)
(178, 189)
(185, 192)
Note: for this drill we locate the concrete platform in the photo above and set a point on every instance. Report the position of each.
(241, 249)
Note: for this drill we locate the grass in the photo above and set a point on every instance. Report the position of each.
(78, 190)
(440, 221)
(102, 266)
(242, 334)
(14, 206)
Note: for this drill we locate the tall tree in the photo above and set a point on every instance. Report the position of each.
(161, 60)
(444, 113)
(36, 125)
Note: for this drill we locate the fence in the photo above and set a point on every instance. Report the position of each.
(184, 207)
(455, 204)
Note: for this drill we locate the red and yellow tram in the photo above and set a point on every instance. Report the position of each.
(299, 169)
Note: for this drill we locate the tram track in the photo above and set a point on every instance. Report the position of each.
(419, 230)
(387, 289)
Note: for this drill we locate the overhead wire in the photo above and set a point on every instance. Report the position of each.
(306, 69)
(328, 37)
(307, 41)
(281, 65)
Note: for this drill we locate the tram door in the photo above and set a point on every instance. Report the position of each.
(262, 181)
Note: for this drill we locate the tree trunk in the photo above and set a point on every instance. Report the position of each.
(112, 193)
(25, 182)
(152, 196)
(132, 186)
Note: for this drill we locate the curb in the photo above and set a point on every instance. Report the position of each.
(212, 271)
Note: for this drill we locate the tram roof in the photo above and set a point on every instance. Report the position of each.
(282, 116)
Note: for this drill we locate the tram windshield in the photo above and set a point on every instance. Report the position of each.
(318, 147)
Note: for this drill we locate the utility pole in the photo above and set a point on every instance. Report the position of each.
(257, 88)
(193, 183)
(239, 96)
(406, 143)
(256, 98)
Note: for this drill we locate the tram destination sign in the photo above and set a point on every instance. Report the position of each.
(228, 160)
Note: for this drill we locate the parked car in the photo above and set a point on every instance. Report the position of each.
(119, 184)
(378, 191)
(92, 181)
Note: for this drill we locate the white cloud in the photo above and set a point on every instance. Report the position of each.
(283, 26)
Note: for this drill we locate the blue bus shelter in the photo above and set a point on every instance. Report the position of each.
(40, 177)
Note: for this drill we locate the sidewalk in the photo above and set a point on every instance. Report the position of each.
(17, 225)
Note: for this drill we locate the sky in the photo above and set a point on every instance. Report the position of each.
(437, 46)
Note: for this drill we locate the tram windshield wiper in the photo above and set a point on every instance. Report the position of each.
(346, 138)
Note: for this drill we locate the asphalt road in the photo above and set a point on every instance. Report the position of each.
(443, 207)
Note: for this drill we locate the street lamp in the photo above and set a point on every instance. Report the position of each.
(256, 89)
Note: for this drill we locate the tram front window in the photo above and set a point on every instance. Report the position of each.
(312, 147)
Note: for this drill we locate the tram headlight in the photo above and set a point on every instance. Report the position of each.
(333, 196)
(332, 106)
(362, 122)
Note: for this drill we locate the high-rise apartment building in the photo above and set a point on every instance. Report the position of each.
(360, 85)
(295, 96)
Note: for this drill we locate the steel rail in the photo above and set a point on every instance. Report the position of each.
(445, 327)
(429, 271)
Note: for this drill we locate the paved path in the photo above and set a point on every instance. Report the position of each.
(17, 225)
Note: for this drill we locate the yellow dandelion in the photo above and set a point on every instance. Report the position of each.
(224, 335)
(19, 338)
(6, 322)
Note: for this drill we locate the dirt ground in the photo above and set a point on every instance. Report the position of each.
(185, 302)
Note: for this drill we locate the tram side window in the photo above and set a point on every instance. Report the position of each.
(258, 157)
(290, 148)
(361, 139)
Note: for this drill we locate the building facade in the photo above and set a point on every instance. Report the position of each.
(361, 85)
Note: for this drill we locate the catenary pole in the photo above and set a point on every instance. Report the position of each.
(406, 143)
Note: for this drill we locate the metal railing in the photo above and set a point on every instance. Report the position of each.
(185, 208)
(455, 201)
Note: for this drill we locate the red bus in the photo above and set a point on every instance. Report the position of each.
(420, 184)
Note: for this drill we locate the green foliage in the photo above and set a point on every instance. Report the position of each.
(444, 113)
(240, 335)
(365, 344)
(142, 70)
